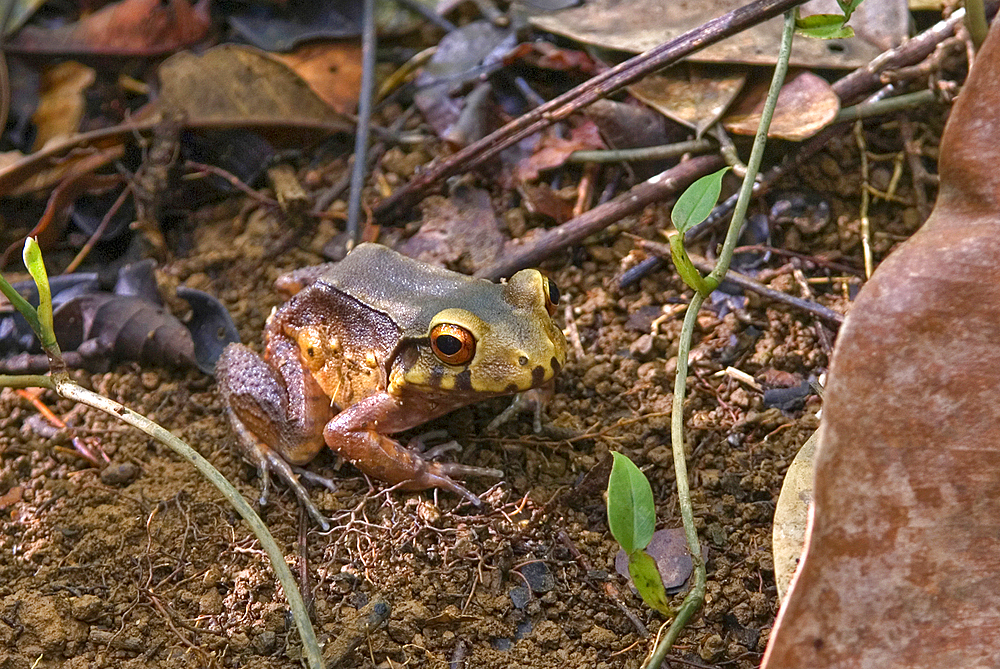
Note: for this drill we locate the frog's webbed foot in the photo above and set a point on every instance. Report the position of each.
(352, 435)
(277, 412)
(447, 470)
(268, 461)
(439, 475)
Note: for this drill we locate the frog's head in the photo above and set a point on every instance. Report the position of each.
(496, 340)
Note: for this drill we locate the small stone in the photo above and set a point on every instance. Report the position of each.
(599, 637)
(150, 380)
(119, 474)
(266, 642)
(711, 647)
(538, 576)
(642, 349)
(519, 596)
(210, 603)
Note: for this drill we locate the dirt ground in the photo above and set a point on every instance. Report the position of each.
(144, 564)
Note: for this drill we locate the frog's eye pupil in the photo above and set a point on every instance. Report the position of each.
(448, 345)
(452, 344)
(551, 296)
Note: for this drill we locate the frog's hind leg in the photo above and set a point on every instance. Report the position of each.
(277, 411)
(268, 461)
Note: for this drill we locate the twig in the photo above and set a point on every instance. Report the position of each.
(643, 153)
(887, 106)
(576, 99)
(359, 169)
(851, 89)
(826, 314)
(576, 230)
(98, 232)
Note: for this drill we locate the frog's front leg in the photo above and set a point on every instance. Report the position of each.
(277, 411)
(356, 434)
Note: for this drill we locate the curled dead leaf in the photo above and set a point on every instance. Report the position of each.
(806, 104)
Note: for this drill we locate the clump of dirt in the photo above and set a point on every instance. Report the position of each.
(147, 566)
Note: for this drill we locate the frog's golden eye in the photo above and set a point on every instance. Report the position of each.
(452, 344)
(551, 296)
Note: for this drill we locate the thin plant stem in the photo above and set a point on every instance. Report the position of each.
(26, 381)
(696, 595)
(757, 152)
(69, 389)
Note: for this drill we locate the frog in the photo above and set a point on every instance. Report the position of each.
(376, 344)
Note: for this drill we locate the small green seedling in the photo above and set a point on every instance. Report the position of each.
(632, 519)
(692, 207)
(828, 26)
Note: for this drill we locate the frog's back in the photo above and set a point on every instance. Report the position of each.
(409, 290)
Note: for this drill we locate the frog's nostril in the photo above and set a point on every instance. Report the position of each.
(523, 360)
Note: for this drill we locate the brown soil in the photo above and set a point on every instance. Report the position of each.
(145, 565)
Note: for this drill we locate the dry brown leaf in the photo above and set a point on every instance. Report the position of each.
(126, 28)
(232, 84)
(332, 70)
(806, 104)
(902, 567)
(638, 25)
(692, 94)
(62, 103)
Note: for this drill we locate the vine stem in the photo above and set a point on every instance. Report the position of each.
(696, 595)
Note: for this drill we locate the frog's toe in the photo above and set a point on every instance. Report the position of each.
(277, 464)
(316, 479)
(463, 471)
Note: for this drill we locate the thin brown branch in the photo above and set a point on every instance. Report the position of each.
(660, 187)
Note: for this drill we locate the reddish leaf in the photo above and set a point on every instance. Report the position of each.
(126, 28)
(903, 562)
(553, 151)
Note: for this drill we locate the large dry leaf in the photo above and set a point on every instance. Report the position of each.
(332, 70)
(638, 25)
(693, 94)
(902, 566)
(240, 85)
(791, 515)
(61, 102)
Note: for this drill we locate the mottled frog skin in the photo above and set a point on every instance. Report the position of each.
(379, 343)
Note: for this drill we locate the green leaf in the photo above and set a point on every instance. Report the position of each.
(696, 202)
(36, 268)
(646, 579)
(631, 514)
(685, 268)
(848, 7)
(823, 26)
